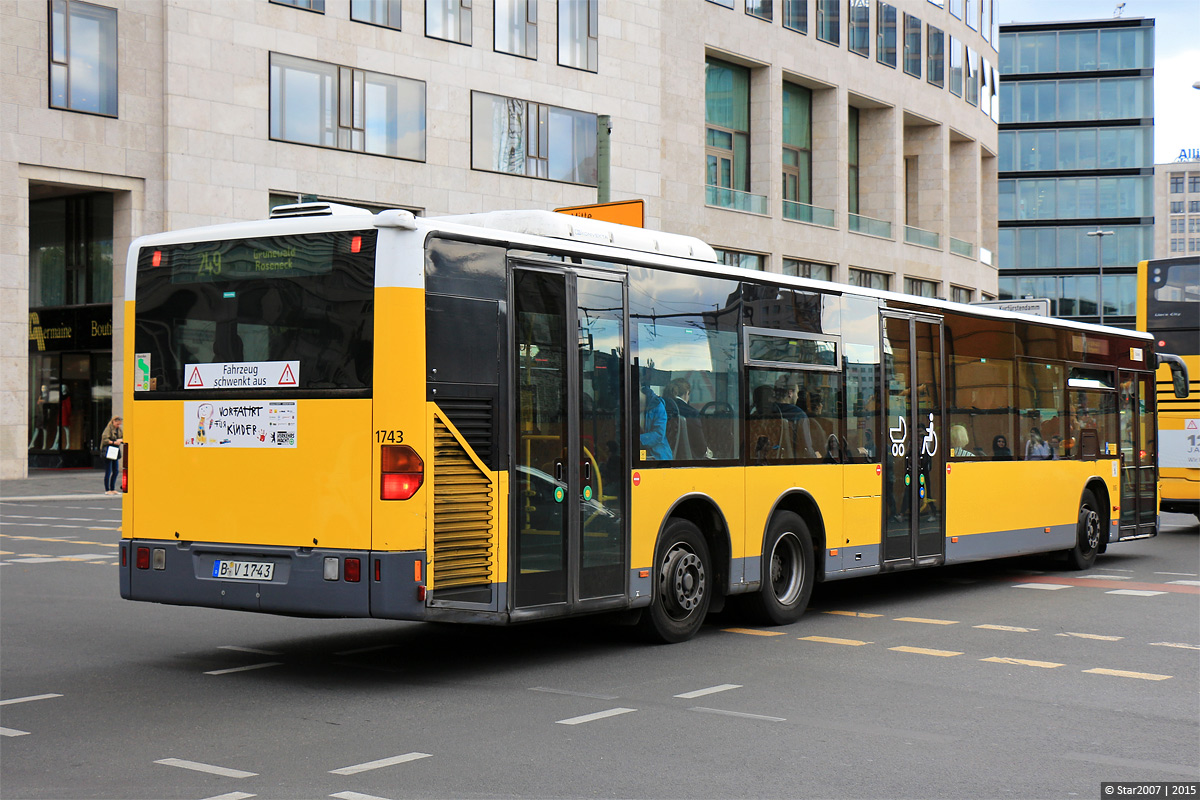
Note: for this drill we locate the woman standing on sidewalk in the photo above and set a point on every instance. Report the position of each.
(113, 435)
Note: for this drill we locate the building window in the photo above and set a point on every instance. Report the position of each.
(956, 8)
(921, 288)
(795, 15)
(1193, 184)
(797, 143)
(449, 20)
(578, 27)
(858, 27)
(972, 77)
(762, 9)
(516, 27)
(1176, 245)
(727, 125)
(1193, 225)
(935, 58)
(808, 269)
(970, 15)
(1193, 207)
(829, 26)
(869, 279)
(1177, 207)
(852, 159)
(960, 294)
(307, 5)
(885, 34)
(956, 67)
(385, 13)
(912, 45)
(737, 258)
(327, 105)
(725, 3)
(519, 137)
(1177, 183)
(83, 57)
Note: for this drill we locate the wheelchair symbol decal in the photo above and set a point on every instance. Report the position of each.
(929, 444)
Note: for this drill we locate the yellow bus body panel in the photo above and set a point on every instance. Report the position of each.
(766, 485)
(657, 492)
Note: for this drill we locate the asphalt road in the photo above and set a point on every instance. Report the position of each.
(1006, 679)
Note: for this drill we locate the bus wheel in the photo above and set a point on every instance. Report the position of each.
(682, 586)
(1087, 534)
(787, 577)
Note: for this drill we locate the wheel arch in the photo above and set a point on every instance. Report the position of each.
(803, 505)
(703, 512)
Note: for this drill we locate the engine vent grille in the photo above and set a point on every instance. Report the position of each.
(473, 418)
(463, 515)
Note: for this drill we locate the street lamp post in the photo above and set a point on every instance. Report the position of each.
(1099, 234)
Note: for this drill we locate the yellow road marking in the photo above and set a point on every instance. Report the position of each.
(98, 544)
(1013, 628)
(1092, 636)
(928, 621)
(752, 632)
(1024, 662)
(832, 640)
(852, 613)
(924, 651)
(104, 529)
(1120, 673)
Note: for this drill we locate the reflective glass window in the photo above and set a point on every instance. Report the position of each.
(83, 57)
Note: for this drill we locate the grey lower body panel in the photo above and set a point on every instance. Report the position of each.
(1001, 544)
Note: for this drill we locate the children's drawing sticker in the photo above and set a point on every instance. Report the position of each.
(204, 415)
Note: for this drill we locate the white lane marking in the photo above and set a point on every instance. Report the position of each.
(86, 556)
(1134, 592)
(379, 764)
(28, 699)
(1092, 636)
(612, 712)
(35, 560)
(1110, 577)
(1046, 586)
(1118, 569)
(224, 772)
(1013, 628)
(356, 796)
(241, 649)
(231, 796)
(370, 649)
(12, 732)
(1185, 583)
(548, 690)
(1180, 645)
(724, 687)
(244, 669)
(741, 714)
(1180, 574)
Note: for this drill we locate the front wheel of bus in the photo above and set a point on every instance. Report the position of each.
(682, 585)
(1087, 534)
(787, 577)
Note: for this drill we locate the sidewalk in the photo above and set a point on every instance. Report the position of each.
(57, 484)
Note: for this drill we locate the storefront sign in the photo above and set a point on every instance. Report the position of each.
(75, 328)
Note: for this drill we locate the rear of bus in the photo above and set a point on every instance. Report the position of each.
(252, 477)
(1169, 309)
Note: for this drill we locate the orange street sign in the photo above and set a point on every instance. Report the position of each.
(623, 212)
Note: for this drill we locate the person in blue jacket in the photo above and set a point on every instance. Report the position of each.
(654, 426)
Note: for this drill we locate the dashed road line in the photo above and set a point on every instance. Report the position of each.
(752, 632)
(1120, 673)
(1184, 583)
(1180, 645)
(548, 690)
(852, 614)
(231, 796)
(28, 699)
(1110, 577)
(1022, 662)
(724, 687)
(1092, 636)
(1135, 592)
(263, 665)
(834, 640)
(12, 732)
(612, 712)
(1011, 628)
(373, 648)
(926, 621)
(741, 714)
(1097, 583)
(356, 796)
(925, 651)
(379, 764)
(254, 650)
(1047, 586)
(212, 769)
(1180, 574)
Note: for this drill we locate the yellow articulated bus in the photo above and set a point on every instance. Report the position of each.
(1169, 309)
(512, 416)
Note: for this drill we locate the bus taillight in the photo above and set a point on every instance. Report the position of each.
(353, 570)
(143, 558)
(125, 468)
(402, 472)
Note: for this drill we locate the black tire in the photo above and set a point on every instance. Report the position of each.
(788, 572)
(683, 585)
(1088, 533)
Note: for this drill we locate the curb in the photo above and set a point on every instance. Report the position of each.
(56, 497)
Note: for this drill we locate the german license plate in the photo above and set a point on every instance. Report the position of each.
(243, 570)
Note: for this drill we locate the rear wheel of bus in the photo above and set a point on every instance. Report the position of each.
(682, 585)
(787, 572)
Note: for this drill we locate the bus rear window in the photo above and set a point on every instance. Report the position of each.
(305, 299)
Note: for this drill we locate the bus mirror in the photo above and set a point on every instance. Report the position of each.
(1179, 373)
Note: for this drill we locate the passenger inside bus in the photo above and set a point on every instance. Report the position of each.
(654, 426)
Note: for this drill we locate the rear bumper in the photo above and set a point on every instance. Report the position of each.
(298, 586)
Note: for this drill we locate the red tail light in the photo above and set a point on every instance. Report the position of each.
(402, 470)
(124, 556)
(143, 558)
(125, 468)
(353, 570)
(377, 569)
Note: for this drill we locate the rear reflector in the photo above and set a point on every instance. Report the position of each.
(143, 558)
(353, 569)
(160, 558)
(402, 472)
(331, 568)
(377, 569)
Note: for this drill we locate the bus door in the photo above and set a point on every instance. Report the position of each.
(568, 542)
(1138, 454)
(914, 460)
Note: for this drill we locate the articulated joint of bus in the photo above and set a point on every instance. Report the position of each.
(1179, 373)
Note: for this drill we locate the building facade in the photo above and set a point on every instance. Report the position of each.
(850, 140)
(1076, 156)
(1176, 209)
